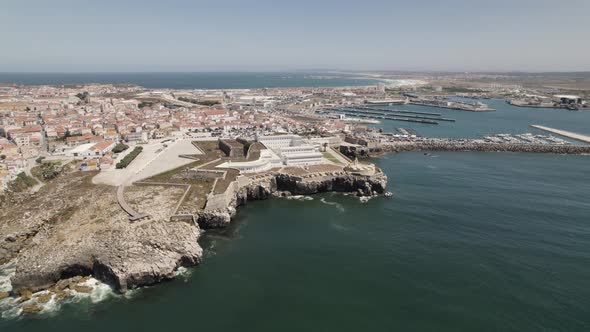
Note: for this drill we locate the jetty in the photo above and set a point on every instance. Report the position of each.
(394, 111)
(564, 133)
(367, 114)
(459, 145)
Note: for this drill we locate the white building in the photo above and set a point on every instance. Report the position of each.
(268, 159)
(91, 149)
(292, 150)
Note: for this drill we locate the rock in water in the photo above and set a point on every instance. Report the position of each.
(31, 308)
(43, 298)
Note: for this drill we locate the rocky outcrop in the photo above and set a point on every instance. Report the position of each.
(73, 228)
(123, 257)
(286, 184)
(215, 218)
(363, 185)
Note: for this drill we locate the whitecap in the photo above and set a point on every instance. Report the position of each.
(11, 307)
(364, 199)
(300, 198)
(338, 206)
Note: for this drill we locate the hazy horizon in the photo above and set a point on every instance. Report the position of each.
(67, 36)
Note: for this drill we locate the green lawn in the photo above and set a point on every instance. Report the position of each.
(331, 158)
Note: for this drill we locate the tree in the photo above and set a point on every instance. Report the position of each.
(3, 157)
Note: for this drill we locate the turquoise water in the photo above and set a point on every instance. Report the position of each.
(226, 80)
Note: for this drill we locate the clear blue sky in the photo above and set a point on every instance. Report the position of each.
(244, 35)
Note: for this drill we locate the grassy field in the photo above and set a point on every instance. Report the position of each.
(331, 158)
(196, 198)
(22, 183)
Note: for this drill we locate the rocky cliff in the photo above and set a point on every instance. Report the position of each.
(122, 257)
(293, 185)
(71, 228)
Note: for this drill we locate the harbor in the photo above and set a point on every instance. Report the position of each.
(392, 115)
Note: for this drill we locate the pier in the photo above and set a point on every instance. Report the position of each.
(400, 115)
(564, 133)
(395, 111)
(453, 106)
(377, 117)
(369, 114)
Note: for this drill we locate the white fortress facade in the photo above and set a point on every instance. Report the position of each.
(281, 150)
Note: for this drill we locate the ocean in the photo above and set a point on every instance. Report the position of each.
(199, 80)
(469, 242)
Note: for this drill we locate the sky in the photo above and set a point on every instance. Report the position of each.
(265, 35)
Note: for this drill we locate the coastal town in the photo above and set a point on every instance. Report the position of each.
(95, 124)
(119, 180)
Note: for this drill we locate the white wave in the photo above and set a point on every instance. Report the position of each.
(338, 206)
(404, 82)
(183, 273)
(12, 308)
(100, 291)
(6, 272)
(339, 227)
(300, 198)
(364, 199)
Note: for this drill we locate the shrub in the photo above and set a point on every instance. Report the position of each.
(129, 158)
(120, 148)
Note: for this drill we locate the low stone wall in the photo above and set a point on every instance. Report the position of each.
(196, 173)
(188, 218)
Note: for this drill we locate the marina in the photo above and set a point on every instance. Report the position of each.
(394, 111)
(527, 138)
(348, 111)
(382, 117)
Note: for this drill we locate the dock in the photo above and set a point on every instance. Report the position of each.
(564, 133)
(394, 111)
(364, 115)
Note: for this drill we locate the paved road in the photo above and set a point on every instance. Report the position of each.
(154, 159)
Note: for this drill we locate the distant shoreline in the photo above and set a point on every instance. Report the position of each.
(195, 80)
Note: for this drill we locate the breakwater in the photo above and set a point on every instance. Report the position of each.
(457, 145)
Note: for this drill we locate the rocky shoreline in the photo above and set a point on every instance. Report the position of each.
(71, 228)
(50, 247)
(287, 185)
